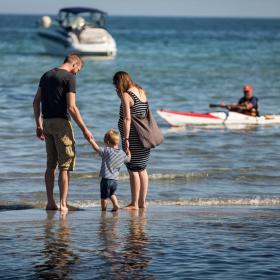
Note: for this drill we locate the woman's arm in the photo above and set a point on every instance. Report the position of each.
(128, 155)
(126, 103)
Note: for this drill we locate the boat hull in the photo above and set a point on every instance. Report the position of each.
(175, 118)
(62, 43)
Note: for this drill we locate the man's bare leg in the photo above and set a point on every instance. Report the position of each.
(49, 181)
(115, 202)
(63, 181)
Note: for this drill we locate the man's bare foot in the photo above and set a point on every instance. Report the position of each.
(63, 208)
(51, 207)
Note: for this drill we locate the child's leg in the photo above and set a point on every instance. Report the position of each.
(103, 204)
(115, 202)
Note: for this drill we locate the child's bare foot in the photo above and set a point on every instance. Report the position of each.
(115, 209)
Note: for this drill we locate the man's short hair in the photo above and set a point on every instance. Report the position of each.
(74, 58)
(112, 136)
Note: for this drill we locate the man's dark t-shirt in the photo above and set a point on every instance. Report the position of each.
(55, 84)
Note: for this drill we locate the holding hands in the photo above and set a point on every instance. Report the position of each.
(87, 134)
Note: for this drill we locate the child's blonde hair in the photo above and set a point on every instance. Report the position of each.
(112, 136)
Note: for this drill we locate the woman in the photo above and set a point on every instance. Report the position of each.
(133, 101)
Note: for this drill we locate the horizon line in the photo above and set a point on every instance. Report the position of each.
(170, 16)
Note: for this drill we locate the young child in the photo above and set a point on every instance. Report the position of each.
(112, 160)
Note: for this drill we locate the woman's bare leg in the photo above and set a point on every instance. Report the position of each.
(135, 190)
(144, 182)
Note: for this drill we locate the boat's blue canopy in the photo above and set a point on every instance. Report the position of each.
(78, 10)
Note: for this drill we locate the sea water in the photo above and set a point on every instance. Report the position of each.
(183, 64)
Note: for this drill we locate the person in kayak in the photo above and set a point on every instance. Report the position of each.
(247, 105)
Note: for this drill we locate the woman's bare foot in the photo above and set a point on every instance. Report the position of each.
(131, 206)
(143, 205)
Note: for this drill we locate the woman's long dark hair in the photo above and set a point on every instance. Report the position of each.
(123, 82)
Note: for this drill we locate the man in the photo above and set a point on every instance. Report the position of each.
(57, 95)
(247, 105)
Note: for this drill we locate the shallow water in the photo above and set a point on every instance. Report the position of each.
(205, 61)
(162, 243)
(184, 64)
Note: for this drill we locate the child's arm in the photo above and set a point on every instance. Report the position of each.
(95, 146)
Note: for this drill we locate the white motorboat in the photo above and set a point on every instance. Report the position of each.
(77, 30)
(177, 118)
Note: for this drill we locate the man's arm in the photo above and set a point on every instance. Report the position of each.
(37, 114)
(248, 106)
(75, 114)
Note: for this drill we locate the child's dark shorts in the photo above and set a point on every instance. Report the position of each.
(108, 187)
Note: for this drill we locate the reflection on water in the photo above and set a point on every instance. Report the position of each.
(109, 243)
(137, 241)
(57, 255)
(162, 243)
(125, 252)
